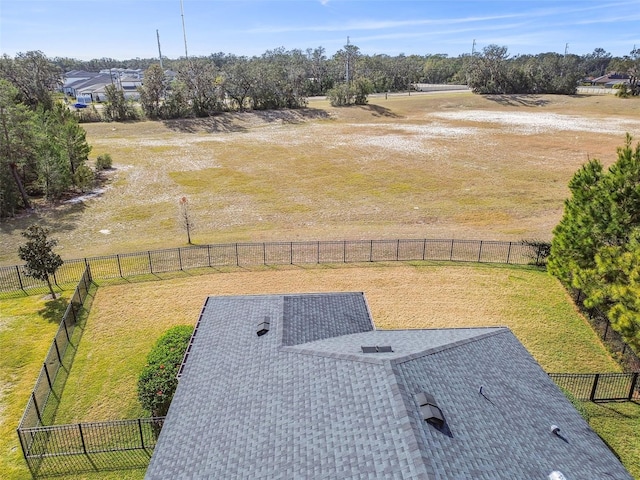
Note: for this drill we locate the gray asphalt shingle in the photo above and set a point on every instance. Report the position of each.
(303, 401)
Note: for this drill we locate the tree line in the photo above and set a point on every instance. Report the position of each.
(285, 79)
(43, 152)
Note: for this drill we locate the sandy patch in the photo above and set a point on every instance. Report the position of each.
(529, 123)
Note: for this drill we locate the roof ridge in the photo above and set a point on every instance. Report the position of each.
(448, 346)
(400, 397)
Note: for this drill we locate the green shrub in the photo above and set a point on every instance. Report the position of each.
(88, 115)
(157, 382)
(104, 162)
(83, 178)
(539, 251)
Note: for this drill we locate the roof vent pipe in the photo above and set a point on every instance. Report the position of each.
(556, 475)
(263, 327)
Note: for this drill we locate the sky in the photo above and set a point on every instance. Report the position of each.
(87, 29)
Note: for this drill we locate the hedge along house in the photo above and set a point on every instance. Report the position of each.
(304, 386)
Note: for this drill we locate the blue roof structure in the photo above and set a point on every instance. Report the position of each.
(303, 400)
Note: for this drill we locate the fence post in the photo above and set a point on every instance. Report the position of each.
(55, 344)
(24, 450)
(66, 332)
(180, 257)
(84, 446)
(46, 372)
(592, 396)
(371, 250)
(150, 264)
(35, 404)
(20, 279)
(73, 313)
(237, 257)
(141, 435)
(264, 253)
(318, 252)
(344, 251)
(209, 254)
(509, 253)
(290, 253)
(480, 251)
(398, 251)
(451, 253)
(634, 382)
(424, 248)
(119, 266)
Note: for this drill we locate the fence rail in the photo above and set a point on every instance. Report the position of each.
(600, 387)
(127, 265)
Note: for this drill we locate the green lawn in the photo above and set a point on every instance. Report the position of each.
(26, 332)
(127, 318)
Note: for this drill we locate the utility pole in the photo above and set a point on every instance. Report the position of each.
(184, 31)
(159, 51)
(348, 55)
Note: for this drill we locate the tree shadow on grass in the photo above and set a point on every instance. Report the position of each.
(515, 100)
(217, 124)
(54, 309)
(379, 111)
(242, 121)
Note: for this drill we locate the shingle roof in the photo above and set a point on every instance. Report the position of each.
(304, 401)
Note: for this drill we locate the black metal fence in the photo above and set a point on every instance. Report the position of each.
(600, 387)
(614, 341)
(13, 279)
(63, 449)
(45, 396)
(60, 449)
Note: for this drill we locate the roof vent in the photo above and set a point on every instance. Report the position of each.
(429, 409)
(381, 349)
(556, 475)
(263, 327)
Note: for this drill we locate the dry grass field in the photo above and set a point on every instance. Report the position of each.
(453, 165)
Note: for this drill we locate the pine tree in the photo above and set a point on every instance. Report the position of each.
(596, 245)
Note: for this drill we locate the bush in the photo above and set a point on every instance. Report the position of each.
(340, 96)
(539, 251)
(83, 178)
(104, 162)
(157, 382)
(88, 115)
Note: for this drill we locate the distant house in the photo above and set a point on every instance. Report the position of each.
(610, 80)
(87, 87)
(304, 386)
